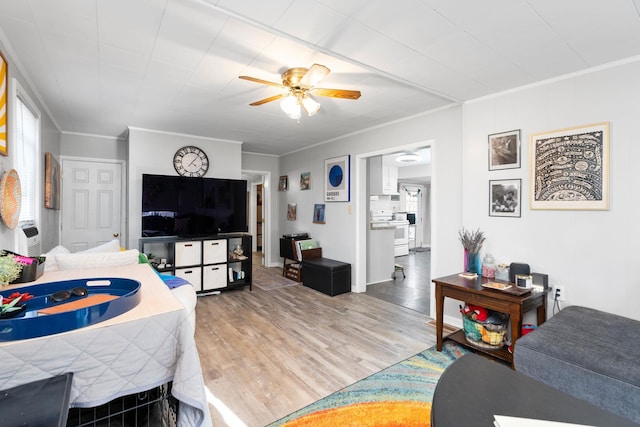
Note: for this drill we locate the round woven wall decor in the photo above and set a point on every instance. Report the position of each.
(10, 198)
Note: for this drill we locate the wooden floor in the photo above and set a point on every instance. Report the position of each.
(265, 354)
(411, 290)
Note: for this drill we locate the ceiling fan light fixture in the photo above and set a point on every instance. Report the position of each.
(409, 157)
(291, 107)
(310, 105)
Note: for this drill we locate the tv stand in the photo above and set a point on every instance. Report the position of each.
(210, 263)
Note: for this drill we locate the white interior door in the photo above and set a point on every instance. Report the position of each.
(91, 203)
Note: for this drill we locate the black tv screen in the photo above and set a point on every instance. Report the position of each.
(192, 207)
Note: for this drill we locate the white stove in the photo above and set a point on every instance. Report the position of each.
(401, 224)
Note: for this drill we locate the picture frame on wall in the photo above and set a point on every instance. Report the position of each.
(292, 209)
(570, 168)
(283, 183)
(318, 213)
(337, 180)
(504, 150)
(4, 105)
(305, 180)
(51, 182)
(505, 197)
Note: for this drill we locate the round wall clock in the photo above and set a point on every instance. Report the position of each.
(191, 161)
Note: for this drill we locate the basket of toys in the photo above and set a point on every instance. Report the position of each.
(483, 328)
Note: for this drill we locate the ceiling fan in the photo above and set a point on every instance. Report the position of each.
(299, 84)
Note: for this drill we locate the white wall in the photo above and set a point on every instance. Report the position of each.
(50, 141)
(95, 146)
(271, 234)
(152, 152)
(343, 237)
(591, 253)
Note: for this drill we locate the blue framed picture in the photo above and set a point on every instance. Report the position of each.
(337, 182)
(318, 213)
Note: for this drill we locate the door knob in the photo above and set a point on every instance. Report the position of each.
(116, 234)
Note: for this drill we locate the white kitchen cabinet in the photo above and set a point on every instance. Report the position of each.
(380, 254)
(382, 179)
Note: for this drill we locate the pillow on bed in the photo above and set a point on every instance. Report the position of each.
(100, 259)
(112, 246)
(51, 262)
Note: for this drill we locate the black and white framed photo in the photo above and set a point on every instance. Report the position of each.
(504, 150)
(337, 185)
(505, 197)
(570, 168)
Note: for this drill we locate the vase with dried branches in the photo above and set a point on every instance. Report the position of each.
(472, 243)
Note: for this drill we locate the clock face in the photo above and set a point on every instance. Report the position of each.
(191, 161)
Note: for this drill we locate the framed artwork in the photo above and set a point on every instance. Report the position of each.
(318, 213)
(337, 185)
(504, 150)
(283, 184)
(4, 94)
(51, 182)
(292, 212)
(505, 197)
(570, 168)
(305, 180)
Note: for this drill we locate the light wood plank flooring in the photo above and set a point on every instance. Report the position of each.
(265, 354)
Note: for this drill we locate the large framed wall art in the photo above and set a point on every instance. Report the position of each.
(337, 183)
(4, 92)
(570, 168)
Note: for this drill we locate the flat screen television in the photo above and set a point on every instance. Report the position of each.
(192, 207)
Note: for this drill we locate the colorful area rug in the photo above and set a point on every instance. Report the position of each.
(400, 395)
(265, 279)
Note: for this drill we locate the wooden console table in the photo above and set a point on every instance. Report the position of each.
(472, 292)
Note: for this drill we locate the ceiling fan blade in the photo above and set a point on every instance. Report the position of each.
(271, 98)
(316, 73)
(336, 93)
(264, 82)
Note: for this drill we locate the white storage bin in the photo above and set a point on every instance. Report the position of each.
(214, 277)
(188, 253)
(215, 251)
(193, 275)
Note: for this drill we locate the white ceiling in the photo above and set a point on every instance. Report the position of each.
(173, 65)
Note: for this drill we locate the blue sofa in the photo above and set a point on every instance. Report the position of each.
(590, 354)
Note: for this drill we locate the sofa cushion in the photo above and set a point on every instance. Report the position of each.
(588, 353)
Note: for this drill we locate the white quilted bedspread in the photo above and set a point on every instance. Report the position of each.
(143, 348)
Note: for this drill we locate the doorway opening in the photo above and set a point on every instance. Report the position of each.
(408, 202)
(258, 218)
